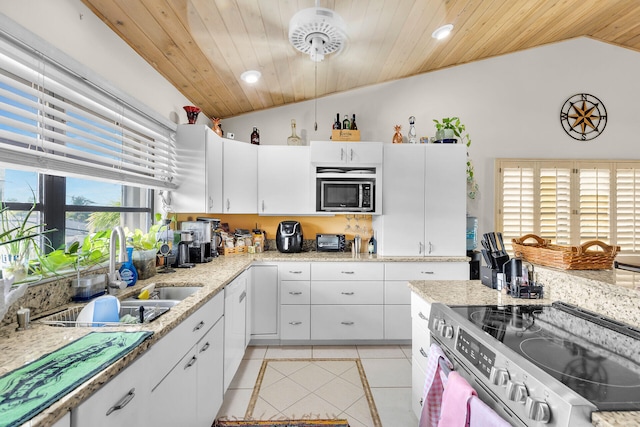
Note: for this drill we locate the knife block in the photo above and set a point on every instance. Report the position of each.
(489, 276)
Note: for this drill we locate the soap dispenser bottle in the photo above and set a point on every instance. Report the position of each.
(128, 271)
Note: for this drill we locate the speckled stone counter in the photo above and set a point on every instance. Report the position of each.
(20, 348)
(613, 293)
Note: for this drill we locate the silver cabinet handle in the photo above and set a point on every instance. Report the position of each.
(351, 157)
(420, 245)
(347, 323)
(228, 205)
(295, 272)
(243, 295)
(347, 293)
(191, 362)
(422, 316)
(426, 272)
(210, 202)
(198, 326)
(295, 293)
(430, 247)
(263, 206)
(205, 347)
(342, 154)
(295, 323)
(347, 272)
(423, 353)
(123, 402)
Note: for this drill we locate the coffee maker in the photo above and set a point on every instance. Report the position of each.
(183, 259)
(200, 248)
(213, 225)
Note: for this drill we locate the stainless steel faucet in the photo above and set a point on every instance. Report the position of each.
(113, 275)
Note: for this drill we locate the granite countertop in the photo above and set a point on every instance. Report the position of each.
(586, 290)
(20, 348)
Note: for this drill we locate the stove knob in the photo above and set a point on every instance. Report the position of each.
(447, 331)
(516, 392)
(499, 376)
(538, 410)
(440, 325)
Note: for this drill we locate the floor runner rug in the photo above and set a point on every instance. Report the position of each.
(289, 423)
(28, 390)
(306, 391)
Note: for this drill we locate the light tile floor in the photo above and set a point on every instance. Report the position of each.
(311, 391)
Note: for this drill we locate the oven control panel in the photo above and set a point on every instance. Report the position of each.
(480, 356)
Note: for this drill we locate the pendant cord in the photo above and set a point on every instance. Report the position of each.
(315, 96)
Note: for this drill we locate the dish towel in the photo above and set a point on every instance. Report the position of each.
(455, 402)
(483, 416)
(433, 387)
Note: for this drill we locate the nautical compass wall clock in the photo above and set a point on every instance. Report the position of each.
(583, 117)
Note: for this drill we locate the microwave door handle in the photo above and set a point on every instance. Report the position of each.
(361, 195)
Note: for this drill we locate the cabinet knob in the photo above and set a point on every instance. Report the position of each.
(123, 402)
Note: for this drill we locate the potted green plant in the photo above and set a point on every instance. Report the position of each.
(18, 242)
(145, 248)
(451, 128)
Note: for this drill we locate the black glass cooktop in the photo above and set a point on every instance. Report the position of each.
(596, 357)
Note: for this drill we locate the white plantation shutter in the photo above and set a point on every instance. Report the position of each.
(570, 202)
(627, 210)
(54, 121)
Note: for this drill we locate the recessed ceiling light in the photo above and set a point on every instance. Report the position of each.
(442, 32)
(251, 76)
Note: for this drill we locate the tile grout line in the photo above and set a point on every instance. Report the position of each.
(367, 392)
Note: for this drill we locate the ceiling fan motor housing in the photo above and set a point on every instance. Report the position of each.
(317, 31)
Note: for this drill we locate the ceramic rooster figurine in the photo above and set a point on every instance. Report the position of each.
(216, 127)
(397, 137)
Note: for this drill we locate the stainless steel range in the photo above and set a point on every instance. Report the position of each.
(538, 365)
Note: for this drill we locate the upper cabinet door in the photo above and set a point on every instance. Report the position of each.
(346, 153)
(240, 180)
(284, 180)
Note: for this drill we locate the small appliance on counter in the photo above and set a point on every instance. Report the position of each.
(183, 260)
(200, 248)
(331, 242)
(213, 225)
(495, 255)
(289, 237)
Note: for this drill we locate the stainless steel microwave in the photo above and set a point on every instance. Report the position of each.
(345, 193)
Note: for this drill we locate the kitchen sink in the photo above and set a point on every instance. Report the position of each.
(129, 314)
(169, 293)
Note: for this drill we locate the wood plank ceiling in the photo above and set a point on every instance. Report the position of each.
(202, 46)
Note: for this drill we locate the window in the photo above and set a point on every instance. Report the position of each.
(570, 202)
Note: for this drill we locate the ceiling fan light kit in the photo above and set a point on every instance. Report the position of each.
(317, 31)
(442, 32)
(251, 76)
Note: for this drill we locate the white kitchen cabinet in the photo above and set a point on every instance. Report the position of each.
(346, 322)
(264, 301)
(124, 400)
(210, 375)
(346, 153)
(397, 295)
(424, 204)
(240, 179)
(64, 421)
(420, 344)
(284, 180)
(235, 311)
(295, 299)
(199, 165)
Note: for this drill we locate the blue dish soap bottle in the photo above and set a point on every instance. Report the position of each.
(128, 271)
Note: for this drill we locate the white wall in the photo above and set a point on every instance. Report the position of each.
(510, 105)
(72, 28)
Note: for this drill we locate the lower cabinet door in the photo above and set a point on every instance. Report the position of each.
(347, 322)
(295, 322)
(173, 400)
(123, 401)
(210, 375)
(397, 322)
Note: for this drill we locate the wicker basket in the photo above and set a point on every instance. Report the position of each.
(542, 252)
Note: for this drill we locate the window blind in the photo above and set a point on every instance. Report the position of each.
(570, 202)
(54, 121)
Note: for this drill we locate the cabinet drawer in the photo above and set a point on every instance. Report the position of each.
(179, 341)
(420, 343)
(295, 292)
(295, 322)
(294, 271)
(347, 292)
(346, 322)
(397, 292)
(426, 271)
(420, 311)
(347, 271)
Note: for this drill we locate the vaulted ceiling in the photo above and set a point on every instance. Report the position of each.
(202, 46)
